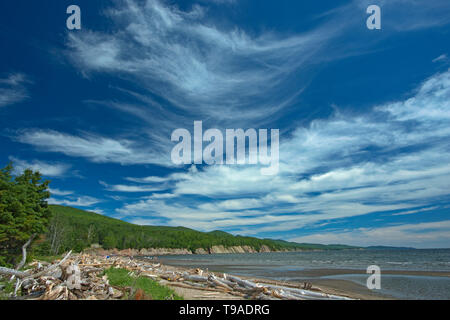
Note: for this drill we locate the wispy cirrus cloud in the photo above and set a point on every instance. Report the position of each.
(50, 169)
(58, 192)
(75, 201)
(419, 235)
(12, 89)
(200, 69)
(150, 179)
(129, 188)
(338, 168)
(93, 147)
(441, 58)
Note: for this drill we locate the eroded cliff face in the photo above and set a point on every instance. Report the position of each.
(235, 249)
(162, 251)
(167, 251)
(218, 249)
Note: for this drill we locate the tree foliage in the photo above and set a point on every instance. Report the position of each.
(23, 210)
(79, 229)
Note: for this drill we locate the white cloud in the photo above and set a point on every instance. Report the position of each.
(150, 179)
(93, 147)
(12, 89)
(420, 235)
(82, 201)
(98, 210)
(129, 188)
(162, 196)
(415, 211)
(442, 57)
(58, 192)
(45, 168)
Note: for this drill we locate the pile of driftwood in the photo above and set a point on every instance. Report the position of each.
(244, 288)
(81, 276)
(67, 279)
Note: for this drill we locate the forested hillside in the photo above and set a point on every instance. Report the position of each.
(77, 229)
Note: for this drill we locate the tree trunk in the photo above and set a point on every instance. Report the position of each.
(24, 252)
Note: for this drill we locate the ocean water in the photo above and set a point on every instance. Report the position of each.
(405, 274)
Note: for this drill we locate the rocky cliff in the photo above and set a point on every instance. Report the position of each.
(166, 251)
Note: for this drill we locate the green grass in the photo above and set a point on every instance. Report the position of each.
(7, 289)
(122, 278)
(43, 258)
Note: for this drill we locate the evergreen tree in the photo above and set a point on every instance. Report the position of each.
(23, 210)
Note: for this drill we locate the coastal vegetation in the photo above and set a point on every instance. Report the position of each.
(24, 213)
(75, 229)
(141, 288)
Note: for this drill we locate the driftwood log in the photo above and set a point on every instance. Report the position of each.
(24, 252)
(12, 272)
(51, 268)
(15, 272)
(27, 274)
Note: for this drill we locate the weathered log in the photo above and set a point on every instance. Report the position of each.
(283, 295)
(73, 277)
(219, 283)
(24, 252)
(227, 282)
(27, 274)
(12, 272)
(148, 275)
(216, 289)
(50, 268)
(306, 293)
(194, 278)
(187, 286)
(244, 283)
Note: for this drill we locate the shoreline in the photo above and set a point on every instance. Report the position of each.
(329, 280)
(329, 286)
(340, 279)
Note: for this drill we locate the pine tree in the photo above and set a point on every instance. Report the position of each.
(23, 210)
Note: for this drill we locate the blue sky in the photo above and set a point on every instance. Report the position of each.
(363, 114)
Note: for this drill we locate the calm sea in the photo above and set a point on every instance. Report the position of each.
(406, 274)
